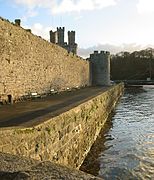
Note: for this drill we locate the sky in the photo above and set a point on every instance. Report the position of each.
(113, 25)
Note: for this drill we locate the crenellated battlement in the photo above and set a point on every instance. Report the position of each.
(71, 32)
(57, 37)
(101, 52)
(60, 28)
(99, 55)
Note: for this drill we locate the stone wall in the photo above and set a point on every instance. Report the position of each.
(65, 139)
(30, 64)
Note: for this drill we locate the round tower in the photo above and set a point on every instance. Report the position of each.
(100, 68)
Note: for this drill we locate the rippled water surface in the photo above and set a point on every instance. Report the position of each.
(125, 148)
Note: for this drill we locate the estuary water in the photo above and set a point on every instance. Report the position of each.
(125, 147)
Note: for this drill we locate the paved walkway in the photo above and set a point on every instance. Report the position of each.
(30, 113)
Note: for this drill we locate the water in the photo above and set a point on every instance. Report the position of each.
(125, 147)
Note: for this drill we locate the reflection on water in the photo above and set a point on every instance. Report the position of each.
(125, 148)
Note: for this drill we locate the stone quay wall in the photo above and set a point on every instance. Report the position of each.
(30, 64)
(65, 139)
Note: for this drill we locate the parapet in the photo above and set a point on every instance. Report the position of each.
(96, 54)
(60, 28)
(71, 32)
(105, 52)
(29, 30)
(17, 22)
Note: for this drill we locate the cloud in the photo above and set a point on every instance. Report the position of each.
(72, 6)
(35, 3)
(145, 6)
(113, 49)
(78, 18)
(64, 6)
(29, 13)
(39, 30)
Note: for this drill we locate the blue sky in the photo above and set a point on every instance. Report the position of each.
(110, 24)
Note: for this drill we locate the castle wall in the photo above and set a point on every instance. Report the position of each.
(30, 64)
(67, 138)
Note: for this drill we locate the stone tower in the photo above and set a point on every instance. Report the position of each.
(60, 35)
(72, 46)
(57, 37)
(71, 37)
(100, 68)
(53, 37)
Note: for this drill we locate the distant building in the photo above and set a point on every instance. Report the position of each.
(57, 37)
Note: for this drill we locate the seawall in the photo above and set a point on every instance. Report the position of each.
(30, 64)
(66, 138)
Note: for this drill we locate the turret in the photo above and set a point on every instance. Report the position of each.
(60, 34)
(72, 46)
(58, 38)
(53, 37)
(17, 22)
(100, 68)
(71, 37)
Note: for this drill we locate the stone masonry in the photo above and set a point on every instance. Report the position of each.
(30, 64)
(67, 138)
